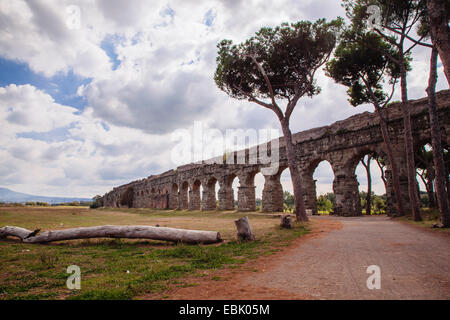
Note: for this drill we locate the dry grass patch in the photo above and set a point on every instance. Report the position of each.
(123, 269)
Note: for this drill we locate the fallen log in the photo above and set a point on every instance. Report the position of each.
(243, 228)
(108, 231)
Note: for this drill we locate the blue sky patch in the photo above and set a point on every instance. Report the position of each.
(167, 11)
(105, 126)
(209, 17)
(108, 45)
(55, 135)
(62, 86)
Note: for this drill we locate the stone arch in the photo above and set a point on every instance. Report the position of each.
(165, 198)
(184, 198)
(378, 150)
(209, 194)
(426, 171)
(353, 158)
(127, 197)
(376, 169)
(307, 171)
(174, 197)
(226, 193)
(345, 184)
(153, 198)
(194, 195)
(159, 199)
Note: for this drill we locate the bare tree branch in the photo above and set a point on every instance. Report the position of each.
(383, 177)
(394, 43)
(422, 176)
(298, 93)
(392, 93)
(261, 103)
(266, 78)
(416, 43)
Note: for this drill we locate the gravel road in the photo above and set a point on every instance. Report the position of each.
(414, 263)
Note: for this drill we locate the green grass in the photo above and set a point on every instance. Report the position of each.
(120, 268)
(429, 218)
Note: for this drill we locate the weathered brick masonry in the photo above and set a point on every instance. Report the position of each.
(342, 144)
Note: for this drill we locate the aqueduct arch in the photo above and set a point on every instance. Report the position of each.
(342, 144)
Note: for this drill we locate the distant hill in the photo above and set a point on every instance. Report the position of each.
(7, 195)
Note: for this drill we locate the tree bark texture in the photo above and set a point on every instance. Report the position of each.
(300, 211)
(369, 185)
(409, 147)
(438, 158)
(394, 169)
(439, 31)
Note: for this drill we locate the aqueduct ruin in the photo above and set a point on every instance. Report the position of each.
(342, 144)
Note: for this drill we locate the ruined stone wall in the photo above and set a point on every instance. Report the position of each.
(342, 144)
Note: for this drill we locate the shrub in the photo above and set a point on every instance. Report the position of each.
(98, 202)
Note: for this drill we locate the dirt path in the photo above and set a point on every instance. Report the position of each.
(331, 263)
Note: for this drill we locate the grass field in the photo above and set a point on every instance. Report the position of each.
(121, 268)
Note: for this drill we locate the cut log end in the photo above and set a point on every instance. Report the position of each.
(244, 231)
(286, 222)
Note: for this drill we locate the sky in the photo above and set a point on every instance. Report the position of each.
(91, 92)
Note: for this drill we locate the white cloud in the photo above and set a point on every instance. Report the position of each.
(93, 156)
(164, 81)
(35, 32)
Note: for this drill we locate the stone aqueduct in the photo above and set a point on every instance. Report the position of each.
(342, 144)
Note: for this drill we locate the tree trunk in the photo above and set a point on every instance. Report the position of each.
(383, 178)
(438, 159)
(439, 31)
(369, 185)
(409, 146)
(431, 176)
(300, 211)
(244, 231)
(369, 188)
(107, 231)
(448, 183)
(394, 170)
(428, 182)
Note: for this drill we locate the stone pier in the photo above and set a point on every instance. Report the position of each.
(272, 195)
